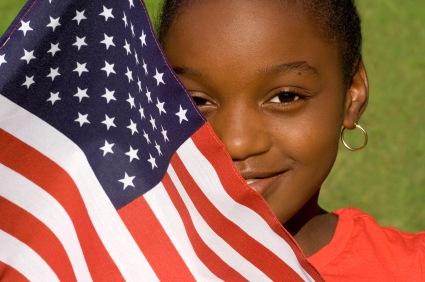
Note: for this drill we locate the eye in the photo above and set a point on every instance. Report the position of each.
(200, 101)
(205, 104)
(285, 97)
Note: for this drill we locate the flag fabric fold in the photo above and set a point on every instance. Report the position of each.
(108, 171)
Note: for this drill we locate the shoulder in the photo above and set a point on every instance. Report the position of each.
(362, 249)
(365, 227)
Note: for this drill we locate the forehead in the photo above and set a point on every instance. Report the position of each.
(231, 29)
(244, 21)
(235, 40)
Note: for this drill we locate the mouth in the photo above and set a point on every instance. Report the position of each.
(263, 185)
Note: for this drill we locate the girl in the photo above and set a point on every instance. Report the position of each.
(277, 80)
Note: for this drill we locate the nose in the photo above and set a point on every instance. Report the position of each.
(242, 131)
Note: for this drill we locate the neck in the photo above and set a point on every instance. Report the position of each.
(312, 227)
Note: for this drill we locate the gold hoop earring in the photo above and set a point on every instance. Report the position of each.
(354, 149)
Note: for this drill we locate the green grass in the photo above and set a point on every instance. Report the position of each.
(387, 179)
(8, 11)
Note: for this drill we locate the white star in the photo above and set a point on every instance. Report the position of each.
(139, 83)
(81, 68)
(145, 66)
(131, 101)
(81, 94)
(28, 56)
(108, 68)
(108, 41)
(109, 95)
(80, 42)
(131, 3)
(152, 161)
(133, 127)
(160, 106)
(158, 148)
(158, 76)
(142, 114)
(82, 119)
(79, 17)
(53, 49)
(107, 13)
(127, 181)
(148, 94)
(54, 97)
(146, 137)
(109, 122)
(132, 29)
(132, 154)
(164, 133)
(107, 148)
(127, 47)
(125, 20)
(54, 73)
(143, 38)
(28, 81)
(2, 59)
(129, 74)
(135, 56)
(153, 123)
(25, 27)
(182, 114)
(54, 23)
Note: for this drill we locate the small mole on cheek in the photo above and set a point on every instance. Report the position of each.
(299, 73)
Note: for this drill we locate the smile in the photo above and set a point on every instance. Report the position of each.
(263, 185)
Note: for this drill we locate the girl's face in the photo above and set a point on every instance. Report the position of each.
(271, 86)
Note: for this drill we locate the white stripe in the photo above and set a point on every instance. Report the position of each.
(24, 259)
(168, 216)
(207, 179)
(57, 147)
(45, 208)
(213, 241)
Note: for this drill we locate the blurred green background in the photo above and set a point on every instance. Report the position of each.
(387, 179)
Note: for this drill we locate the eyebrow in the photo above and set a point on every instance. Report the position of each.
(274, 69)
(287, 67)
(189, 72)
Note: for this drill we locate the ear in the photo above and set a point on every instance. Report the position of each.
(357, 98)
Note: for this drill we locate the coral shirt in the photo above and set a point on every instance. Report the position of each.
(361, 250)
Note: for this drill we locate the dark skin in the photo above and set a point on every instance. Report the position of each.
(271, 86)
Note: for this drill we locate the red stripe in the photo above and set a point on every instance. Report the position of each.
(209, 258)
(45, 173)
(232, 181)
(152, 241)
(9, 274)
(28, 229)
(245, 245)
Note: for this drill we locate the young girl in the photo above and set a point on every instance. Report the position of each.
(277, 80)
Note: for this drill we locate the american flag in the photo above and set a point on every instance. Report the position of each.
(108, 172)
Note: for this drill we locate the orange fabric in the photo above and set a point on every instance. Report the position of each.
(361, 250)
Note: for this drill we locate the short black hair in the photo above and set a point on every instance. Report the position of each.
(338, 19)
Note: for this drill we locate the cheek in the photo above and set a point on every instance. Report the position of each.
(311, 142)
(311, 138)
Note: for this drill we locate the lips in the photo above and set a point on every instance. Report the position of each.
(251, 181)
(263, 185)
